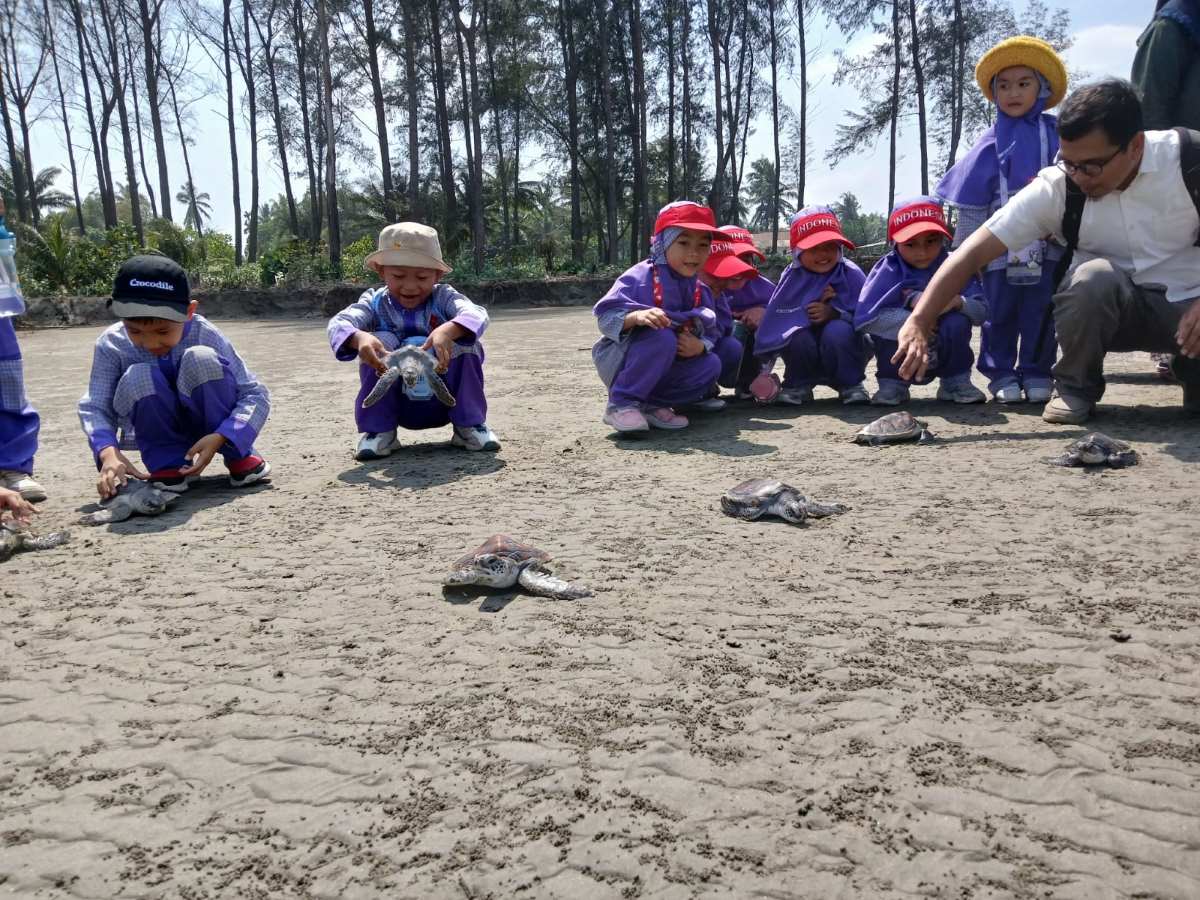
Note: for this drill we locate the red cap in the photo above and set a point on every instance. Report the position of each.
(723, 262)
(811, 229)
(913, 217)
(686, 214)
(740, 240)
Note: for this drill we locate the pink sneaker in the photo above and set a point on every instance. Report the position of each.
(766, 387)
(665, 417)
(626, 419)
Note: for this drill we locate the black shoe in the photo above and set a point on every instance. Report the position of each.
(1188, 372)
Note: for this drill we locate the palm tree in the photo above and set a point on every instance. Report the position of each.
(196, 205)
(45, 197)
(759, 186)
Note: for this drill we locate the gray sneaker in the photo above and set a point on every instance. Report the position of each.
(795, 396)
(475, 437)
(962, 392)
(890, 394)
(852, 396)
(1009, 393)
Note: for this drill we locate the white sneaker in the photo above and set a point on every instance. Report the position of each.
(1009, 393)
(795, 396)
(1038, 394)
(960, 392)
(23, 484)
(376, 445)
(475, 437)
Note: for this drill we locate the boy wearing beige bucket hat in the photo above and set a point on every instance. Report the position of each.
(413, 308)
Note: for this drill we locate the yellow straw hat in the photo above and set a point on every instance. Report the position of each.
(1023, 51)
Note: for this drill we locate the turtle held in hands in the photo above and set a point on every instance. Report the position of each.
(133, 498)
(409, 364)
(760, 497)
(1096, 449)
(894, 428)
(15, 537)
(502, 562)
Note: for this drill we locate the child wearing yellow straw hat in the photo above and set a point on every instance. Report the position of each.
(1023, 77)
(414, 307)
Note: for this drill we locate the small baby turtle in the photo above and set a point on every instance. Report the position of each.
(15, 537)
(410, 364)
(1096, 449)
(894, 428)
(760, 497)
(135, 498)
(502, 561)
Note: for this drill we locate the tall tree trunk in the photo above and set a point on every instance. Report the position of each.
(442, 113)
(669, 17)
(802, 28)
(468, 73)
(20, 96)
(248, 75)
(489, 56)
(131, 83)
(957, 78)
(66, 119)
(226, 38)
(566, 31)
(385, 156)
(314, 191)
(895, 104)
(149, 17)
(16, 164)
(267, 40)
(610, 145)
(639, 101)
(919, 76)
(685, 48)
(187, 161)
(774, 126)
(410, 86)
(714, 38)
(119, 86)
(335, 228)
(104, 182)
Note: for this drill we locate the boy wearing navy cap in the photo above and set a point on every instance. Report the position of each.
(172, 385)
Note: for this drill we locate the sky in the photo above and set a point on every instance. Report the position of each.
(1105, 33)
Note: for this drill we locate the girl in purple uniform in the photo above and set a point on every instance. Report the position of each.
(747, 303)
(658, 326)
(810, 318)
(726, 274)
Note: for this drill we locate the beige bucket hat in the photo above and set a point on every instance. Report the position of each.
(408, 244)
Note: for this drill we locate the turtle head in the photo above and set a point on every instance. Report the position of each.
(792, 508)
(411, 370)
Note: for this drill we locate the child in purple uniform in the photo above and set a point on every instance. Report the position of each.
(746, 301)
(918, 234)
(725, 274)
(413, 308)
(1023, 77)
(172, 385)
(810, 318)
(658, 326)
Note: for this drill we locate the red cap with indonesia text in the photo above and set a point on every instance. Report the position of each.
(686, 214)
(917, 216)
(816, 225)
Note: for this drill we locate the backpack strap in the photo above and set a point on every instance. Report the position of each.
(1071, 220)
(1189, 165)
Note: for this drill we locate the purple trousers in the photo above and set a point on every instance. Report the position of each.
(19, 422)
(1015, 313)
(951, 345)
(652, 376)
(833, 354)
(464, 378)
(170, 411)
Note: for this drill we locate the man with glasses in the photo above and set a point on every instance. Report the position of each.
(1136, 268)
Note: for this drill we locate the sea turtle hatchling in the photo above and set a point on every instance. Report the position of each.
(410, 364)
(502, 562)
(135, 497)
(760, 497)
(1096, 449)
(14, 538)
(894, 428)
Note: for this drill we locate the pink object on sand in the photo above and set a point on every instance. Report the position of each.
(766, 387)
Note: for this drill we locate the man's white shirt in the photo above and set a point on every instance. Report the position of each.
(1148, 230)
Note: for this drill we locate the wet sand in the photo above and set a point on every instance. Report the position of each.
(267, 694)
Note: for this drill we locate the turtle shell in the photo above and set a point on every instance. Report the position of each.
(505, 546)
(894, 427)
(1100, 441)
(758, 490)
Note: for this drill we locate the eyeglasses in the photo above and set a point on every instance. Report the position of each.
(1089, 169)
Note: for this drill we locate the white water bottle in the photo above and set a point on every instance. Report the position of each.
(11, 302)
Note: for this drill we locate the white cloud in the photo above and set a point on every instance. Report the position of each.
(1104, 50)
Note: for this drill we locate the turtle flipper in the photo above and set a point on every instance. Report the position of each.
(821, 510)
(47, 541)
(537, 580)
(100, 517)
(386, 380)
(439, 387)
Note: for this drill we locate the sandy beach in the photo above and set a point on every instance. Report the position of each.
(267, 694)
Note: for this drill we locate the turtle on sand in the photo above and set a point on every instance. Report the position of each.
(894, 428)
(15, 537)
(760, 497)
(502, 561)
(134, 498)
(1096, 449)
(410, 364)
